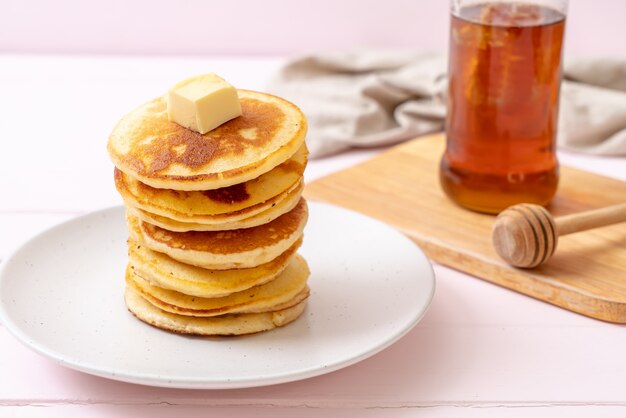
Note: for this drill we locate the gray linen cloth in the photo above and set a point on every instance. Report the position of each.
(374, 98)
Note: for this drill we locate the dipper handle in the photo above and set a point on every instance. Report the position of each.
(526, 235)
(591, 219)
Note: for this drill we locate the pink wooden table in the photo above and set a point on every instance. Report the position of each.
(480, 350)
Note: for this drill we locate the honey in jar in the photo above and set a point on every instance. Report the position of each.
(503, 93)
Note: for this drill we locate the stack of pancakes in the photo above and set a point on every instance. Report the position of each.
(215, 219)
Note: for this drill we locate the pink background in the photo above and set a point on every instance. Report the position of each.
(480, 351)
(268, 27)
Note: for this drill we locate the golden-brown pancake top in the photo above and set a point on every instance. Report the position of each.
(233, 241)
(163, 154)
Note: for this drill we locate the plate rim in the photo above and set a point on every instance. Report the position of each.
(205, 383)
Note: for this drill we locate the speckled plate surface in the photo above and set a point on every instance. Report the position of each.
(61, 294)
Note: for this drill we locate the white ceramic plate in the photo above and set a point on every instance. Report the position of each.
(61, 295)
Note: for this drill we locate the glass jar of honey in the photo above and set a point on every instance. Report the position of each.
(503, 95)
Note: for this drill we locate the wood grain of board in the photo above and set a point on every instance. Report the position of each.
(587, 273)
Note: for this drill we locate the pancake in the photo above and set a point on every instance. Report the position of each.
(277, 294)
(222, 250)
(281, 205)
(232, 324)
(207, 206)
(163, 271)
(162, 154)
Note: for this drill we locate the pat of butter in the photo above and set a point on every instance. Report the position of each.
(202, 103)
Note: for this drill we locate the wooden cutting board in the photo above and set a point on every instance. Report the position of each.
(587, 274)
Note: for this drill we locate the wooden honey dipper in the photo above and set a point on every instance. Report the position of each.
(526, 235)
